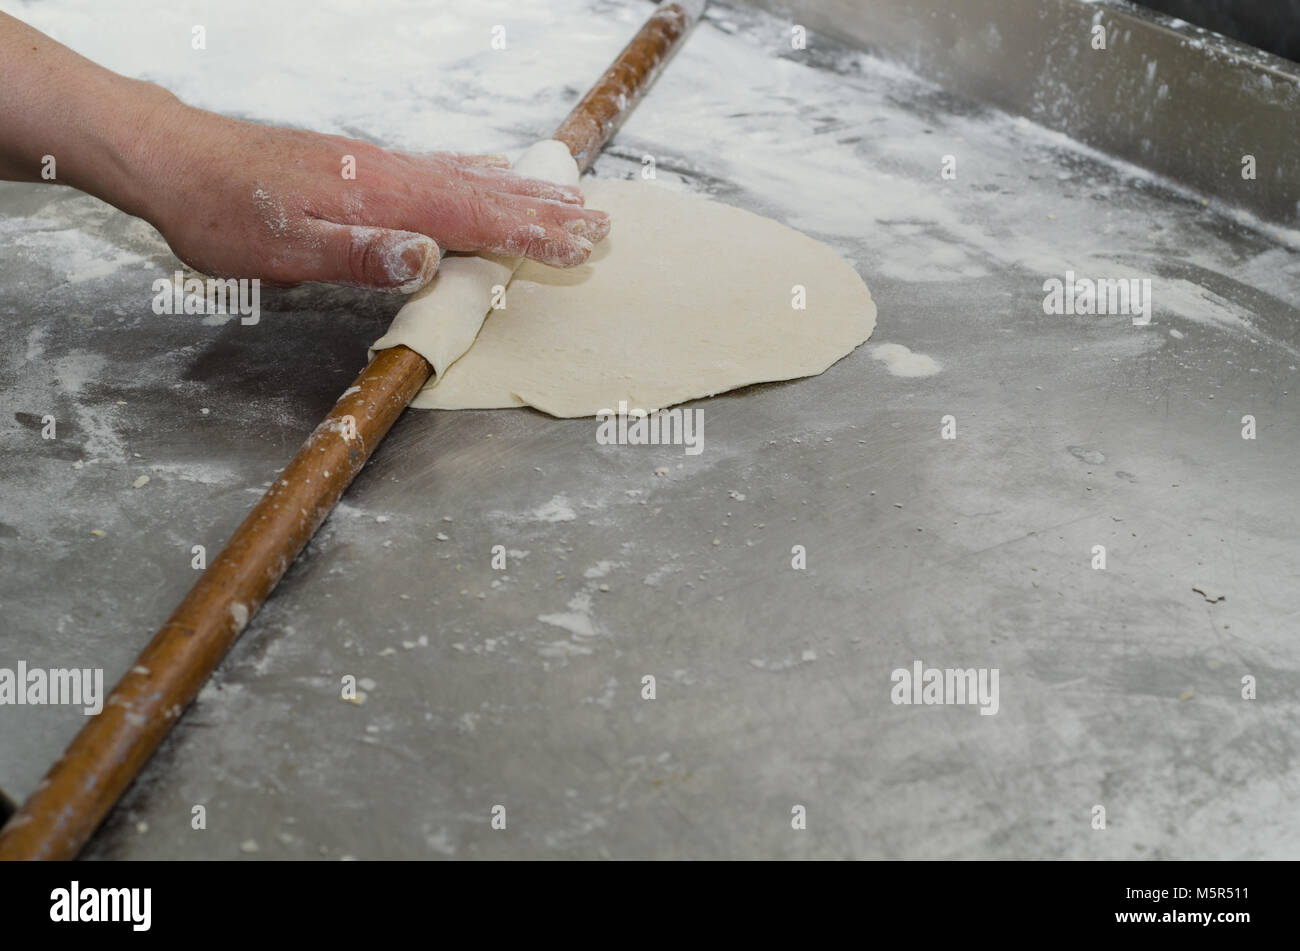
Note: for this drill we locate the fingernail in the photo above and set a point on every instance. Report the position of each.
(578, 250)
(591, 228)
(413, 263)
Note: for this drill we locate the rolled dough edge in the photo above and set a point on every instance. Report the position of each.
(441, 320)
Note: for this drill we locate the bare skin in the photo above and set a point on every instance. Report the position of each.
(237, 199)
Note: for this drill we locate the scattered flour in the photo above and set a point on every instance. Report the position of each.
(556, 510)
(577, 620)
(900, 361)
(601, 568)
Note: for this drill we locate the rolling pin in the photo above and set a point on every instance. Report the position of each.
(100, 763)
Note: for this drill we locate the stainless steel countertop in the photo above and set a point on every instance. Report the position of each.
(1119, 687)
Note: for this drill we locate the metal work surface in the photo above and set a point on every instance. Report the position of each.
(523, 687)
(1158, 91)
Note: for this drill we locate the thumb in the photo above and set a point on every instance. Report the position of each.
(376, 258)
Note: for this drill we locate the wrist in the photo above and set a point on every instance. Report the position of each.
(129, 173)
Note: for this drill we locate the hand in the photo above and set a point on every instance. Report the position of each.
(235, 199)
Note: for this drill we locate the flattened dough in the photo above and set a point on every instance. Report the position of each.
(685, 298)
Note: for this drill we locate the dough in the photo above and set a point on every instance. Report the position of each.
(685, 298)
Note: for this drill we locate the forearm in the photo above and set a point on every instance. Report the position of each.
(94, 123)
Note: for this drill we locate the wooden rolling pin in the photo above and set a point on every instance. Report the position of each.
(80, 789)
